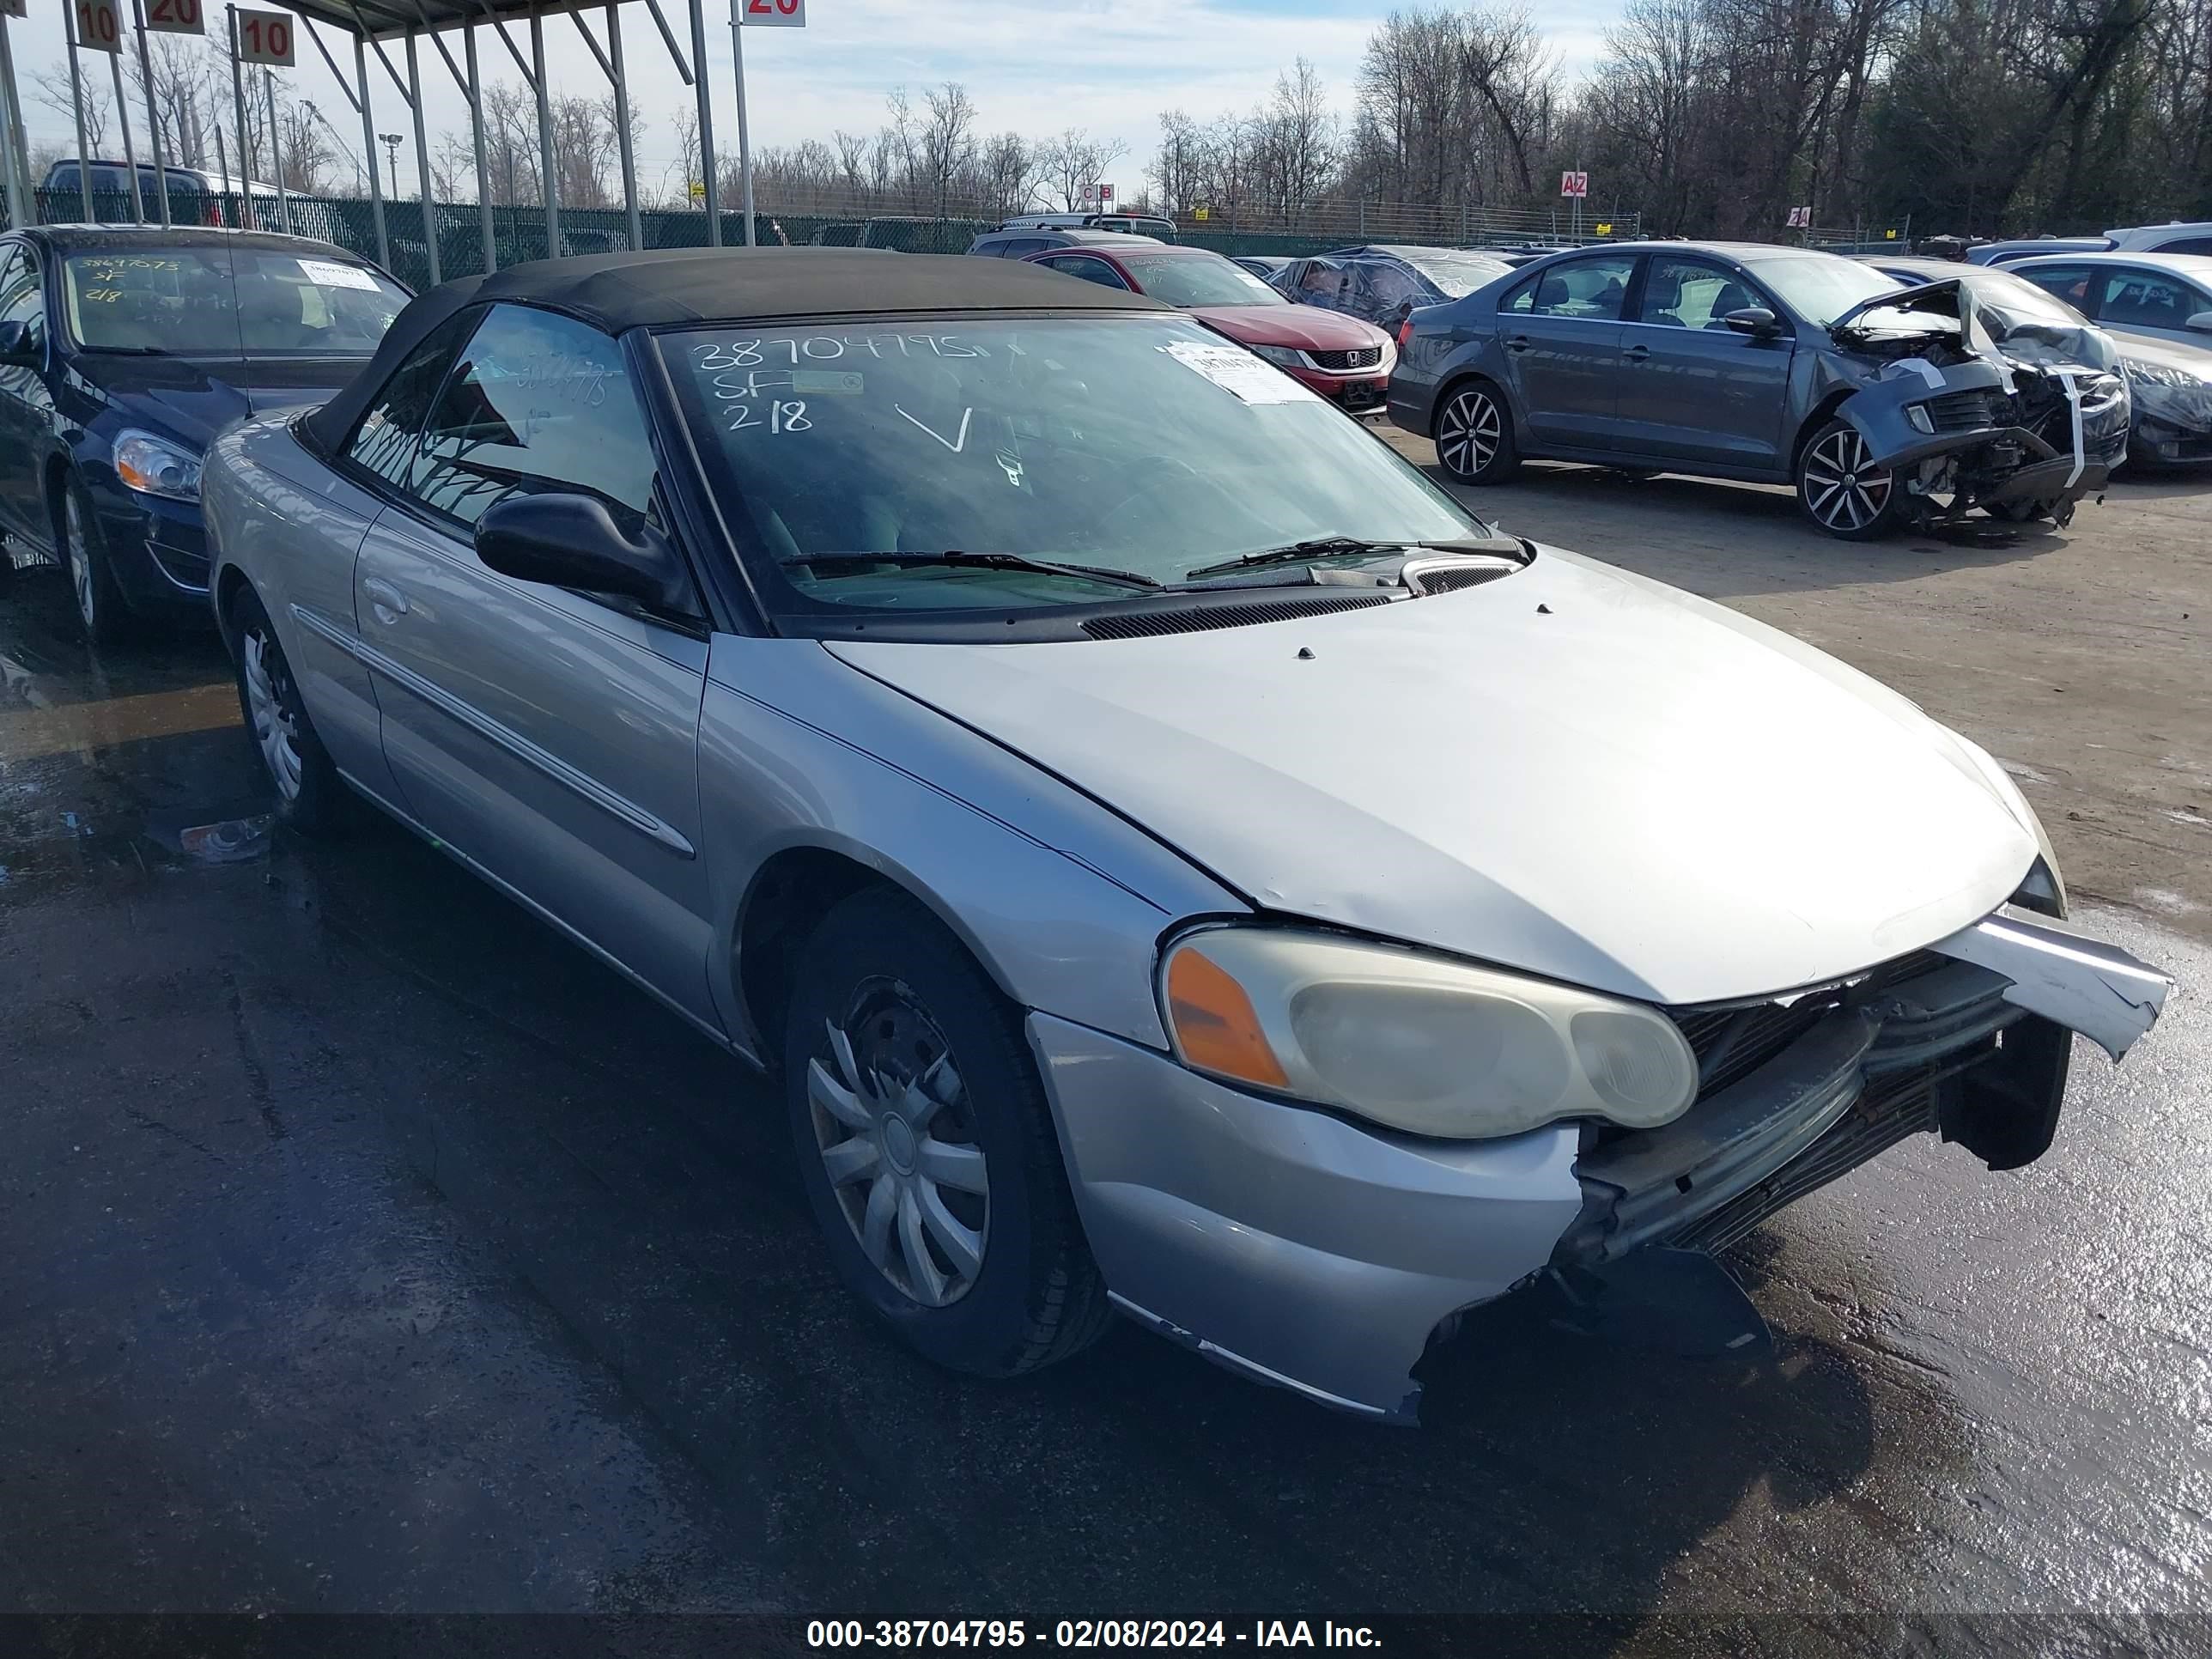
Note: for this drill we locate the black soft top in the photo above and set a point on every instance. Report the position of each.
(614, 292)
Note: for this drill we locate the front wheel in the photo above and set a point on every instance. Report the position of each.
(1843, 491)
(101, 610)
(1474, 436)
(927, 1146)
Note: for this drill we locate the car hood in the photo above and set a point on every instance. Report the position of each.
(1307, 328)
(192, 399)
(1573, 771)
(2167, 354)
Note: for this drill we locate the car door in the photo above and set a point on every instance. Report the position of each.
(547, 736)
(2146, 301)
(26, 402)
(1560, 335)
(1693, 388)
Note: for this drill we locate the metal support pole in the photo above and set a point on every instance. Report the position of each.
(622, 128)
(368, 149)
(130, 154)
(76, 103)
(275, 156)
(744, 146)
(153, 112)
(544, 138)
(423, 162)
(246, 214)
(19, 196)
(706, 125)
(477, 136)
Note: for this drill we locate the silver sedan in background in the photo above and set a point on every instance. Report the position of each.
(1175, 858)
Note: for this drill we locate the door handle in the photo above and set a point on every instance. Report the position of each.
(387, 601)
(1637, 353)
(1517, 342)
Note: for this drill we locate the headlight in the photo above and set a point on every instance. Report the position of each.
(1418, 1043)
(1281, 356)
(154, 467)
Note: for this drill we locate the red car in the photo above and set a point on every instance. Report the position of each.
(1341, 357)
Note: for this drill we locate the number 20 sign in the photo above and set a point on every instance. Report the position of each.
(175, 17)
(266, 37)
(787, 14)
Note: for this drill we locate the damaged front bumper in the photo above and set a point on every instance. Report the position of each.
(1321, 1254)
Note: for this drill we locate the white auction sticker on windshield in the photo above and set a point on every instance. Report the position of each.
(327, 273)
(1236, 370)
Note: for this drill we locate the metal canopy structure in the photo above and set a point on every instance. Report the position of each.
(375, 28)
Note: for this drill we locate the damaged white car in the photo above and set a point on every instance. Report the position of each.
(1175, 858)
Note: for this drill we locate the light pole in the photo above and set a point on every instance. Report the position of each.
(390, 141)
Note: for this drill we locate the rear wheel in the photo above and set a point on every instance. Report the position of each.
(1843, 491)
(311, 797)
(1474, 436)
(927, 1146)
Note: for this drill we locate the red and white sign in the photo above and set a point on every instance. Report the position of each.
(1801, 218)
(781, 13)
(98, 27)
(1574, 184)
(175, 17)
(264, 37)
(1105, 195)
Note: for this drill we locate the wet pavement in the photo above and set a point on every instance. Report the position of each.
(364, 1247)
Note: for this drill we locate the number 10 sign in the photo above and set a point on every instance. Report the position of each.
(264, 37)
(787, 14)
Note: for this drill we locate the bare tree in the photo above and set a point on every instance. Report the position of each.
(944, 147)
(51, 92)
(1073, 160)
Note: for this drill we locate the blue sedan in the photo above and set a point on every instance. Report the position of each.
(124, 349)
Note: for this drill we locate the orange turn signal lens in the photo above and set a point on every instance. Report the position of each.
(1214, 1024)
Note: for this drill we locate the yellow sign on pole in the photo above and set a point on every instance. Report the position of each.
(1201, 214)
(1605, 227)
(1890, 233)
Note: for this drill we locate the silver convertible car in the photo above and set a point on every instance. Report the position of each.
(1175, 857)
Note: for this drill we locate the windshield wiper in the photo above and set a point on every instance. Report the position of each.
(960, 558)
(1320, 547)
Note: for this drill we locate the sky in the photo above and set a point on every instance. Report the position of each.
(1032, 66)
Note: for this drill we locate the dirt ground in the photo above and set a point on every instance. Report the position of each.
(2081, 658)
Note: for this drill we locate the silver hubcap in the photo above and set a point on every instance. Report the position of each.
(892, 1123)
(1467, 435)
(79, 563)
(275, 732)
(1842, 488)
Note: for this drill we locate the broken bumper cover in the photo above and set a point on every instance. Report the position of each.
(1321, 1256)
(1282, 1242)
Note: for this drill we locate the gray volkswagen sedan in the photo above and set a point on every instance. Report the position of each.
(1887, 407)
(1174, 859)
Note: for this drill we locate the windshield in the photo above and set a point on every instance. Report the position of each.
(1198, 279)
(2021, 298)
(1142, 443)
(220, 301)
(1821, 289)
(1457, 277)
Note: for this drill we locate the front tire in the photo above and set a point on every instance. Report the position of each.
(1474, 434)
(1842, 491)
(311, 797)
(102, 611)
(927, 1146)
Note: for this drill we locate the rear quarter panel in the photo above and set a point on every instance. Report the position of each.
(281, 519)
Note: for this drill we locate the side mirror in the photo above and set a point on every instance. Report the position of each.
(1755, 321)
(17, 349)
(573, 541)
(2201, 322)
